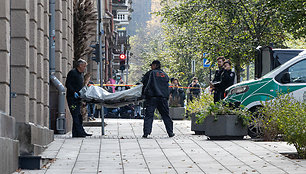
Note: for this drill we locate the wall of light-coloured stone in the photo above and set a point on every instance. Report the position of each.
(46, 61)
(70, 34)
(20, 56)
(24, 55)
(40, 63)
(58, 40)
(5, 55)
(65, 39)
(30, 56)
(8, 144)
(33, 61)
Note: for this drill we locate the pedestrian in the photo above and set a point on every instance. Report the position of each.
(217, 79)
(74, 83)
(108, 87)
(227, 78)
(121, 86)
(156, 93)
(194, 89)
(177, 94)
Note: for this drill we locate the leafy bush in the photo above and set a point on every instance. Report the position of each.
(288, 116)
(199, 105)
(205, 106)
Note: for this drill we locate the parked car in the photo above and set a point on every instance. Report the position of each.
(289, 77)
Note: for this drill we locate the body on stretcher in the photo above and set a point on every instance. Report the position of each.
(96, 94)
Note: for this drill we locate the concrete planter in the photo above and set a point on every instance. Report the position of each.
(177, 113)
(226, 127)
(199, 129)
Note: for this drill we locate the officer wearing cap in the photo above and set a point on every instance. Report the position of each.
(156, 93)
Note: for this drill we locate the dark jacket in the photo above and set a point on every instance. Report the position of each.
(218, 73)
(195, 89)
(227, 80)
(155, 84)
(178, 96)
(217, 79)
(74, 83)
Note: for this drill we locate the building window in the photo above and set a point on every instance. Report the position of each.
(121, 16)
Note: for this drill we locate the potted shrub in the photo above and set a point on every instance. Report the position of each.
(222, 121)
(195, 108)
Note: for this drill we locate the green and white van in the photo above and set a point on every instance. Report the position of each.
(288, 77)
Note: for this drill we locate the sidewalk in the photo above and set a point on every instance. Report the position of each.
(123, 151)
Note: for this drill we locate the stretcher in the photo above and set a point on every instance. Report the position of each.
(96, 94)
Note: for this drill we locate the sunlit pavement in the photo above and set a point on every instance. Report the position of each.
(122, 150)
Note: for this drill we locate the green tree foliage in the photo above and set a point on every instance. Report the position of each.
(146, 46)
(292, 14)
(233, 28)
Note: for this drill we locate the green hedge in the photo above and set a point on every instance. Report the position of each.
(287, 116)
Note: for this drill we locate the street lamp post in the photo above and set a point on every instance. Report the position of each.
(100, 33)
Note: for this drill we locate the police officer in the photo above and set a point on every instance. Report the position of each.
(217, 79)
(156, 93)
(74, 83)
(227, 78)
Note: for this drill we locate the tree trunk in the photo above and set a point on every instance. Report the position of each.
(237, 68)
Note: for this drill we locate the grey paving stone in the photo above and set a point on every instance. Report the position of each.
(121, 152)
(162, 171)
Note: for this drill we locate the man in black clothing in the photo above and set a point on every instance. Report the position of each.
(217, 79)
(227, 78)
(156, 93)
(74, 83)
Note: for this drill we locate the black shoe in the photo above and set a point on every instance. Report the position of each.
(86, 134)
(78, 136)
(171, 135)
(145, 136)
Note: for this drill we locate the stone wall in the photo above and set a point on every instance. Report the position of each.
(24, 72)
(5, 55)
(8, 144)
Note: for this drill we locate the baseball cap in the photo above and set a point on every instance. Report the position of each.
(156, 62)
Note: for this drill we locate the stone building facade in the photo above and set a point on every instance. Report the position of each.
(25, 89)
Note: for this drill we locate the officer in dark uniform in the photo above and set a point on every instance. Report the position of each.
(217, 79)
(156, 93)
(74, 83)
(227, 78)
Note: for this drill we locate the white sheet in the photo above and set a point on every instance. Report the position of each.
(99, 95)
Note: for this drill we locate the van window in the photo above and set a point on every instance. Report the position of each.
(298, 72)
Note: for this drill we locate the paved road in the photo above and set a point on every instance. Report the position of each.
(123, 151)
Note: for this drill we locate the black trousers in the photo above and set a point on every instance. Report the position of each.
(162, 106)
(218, 95)
(75, 110)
